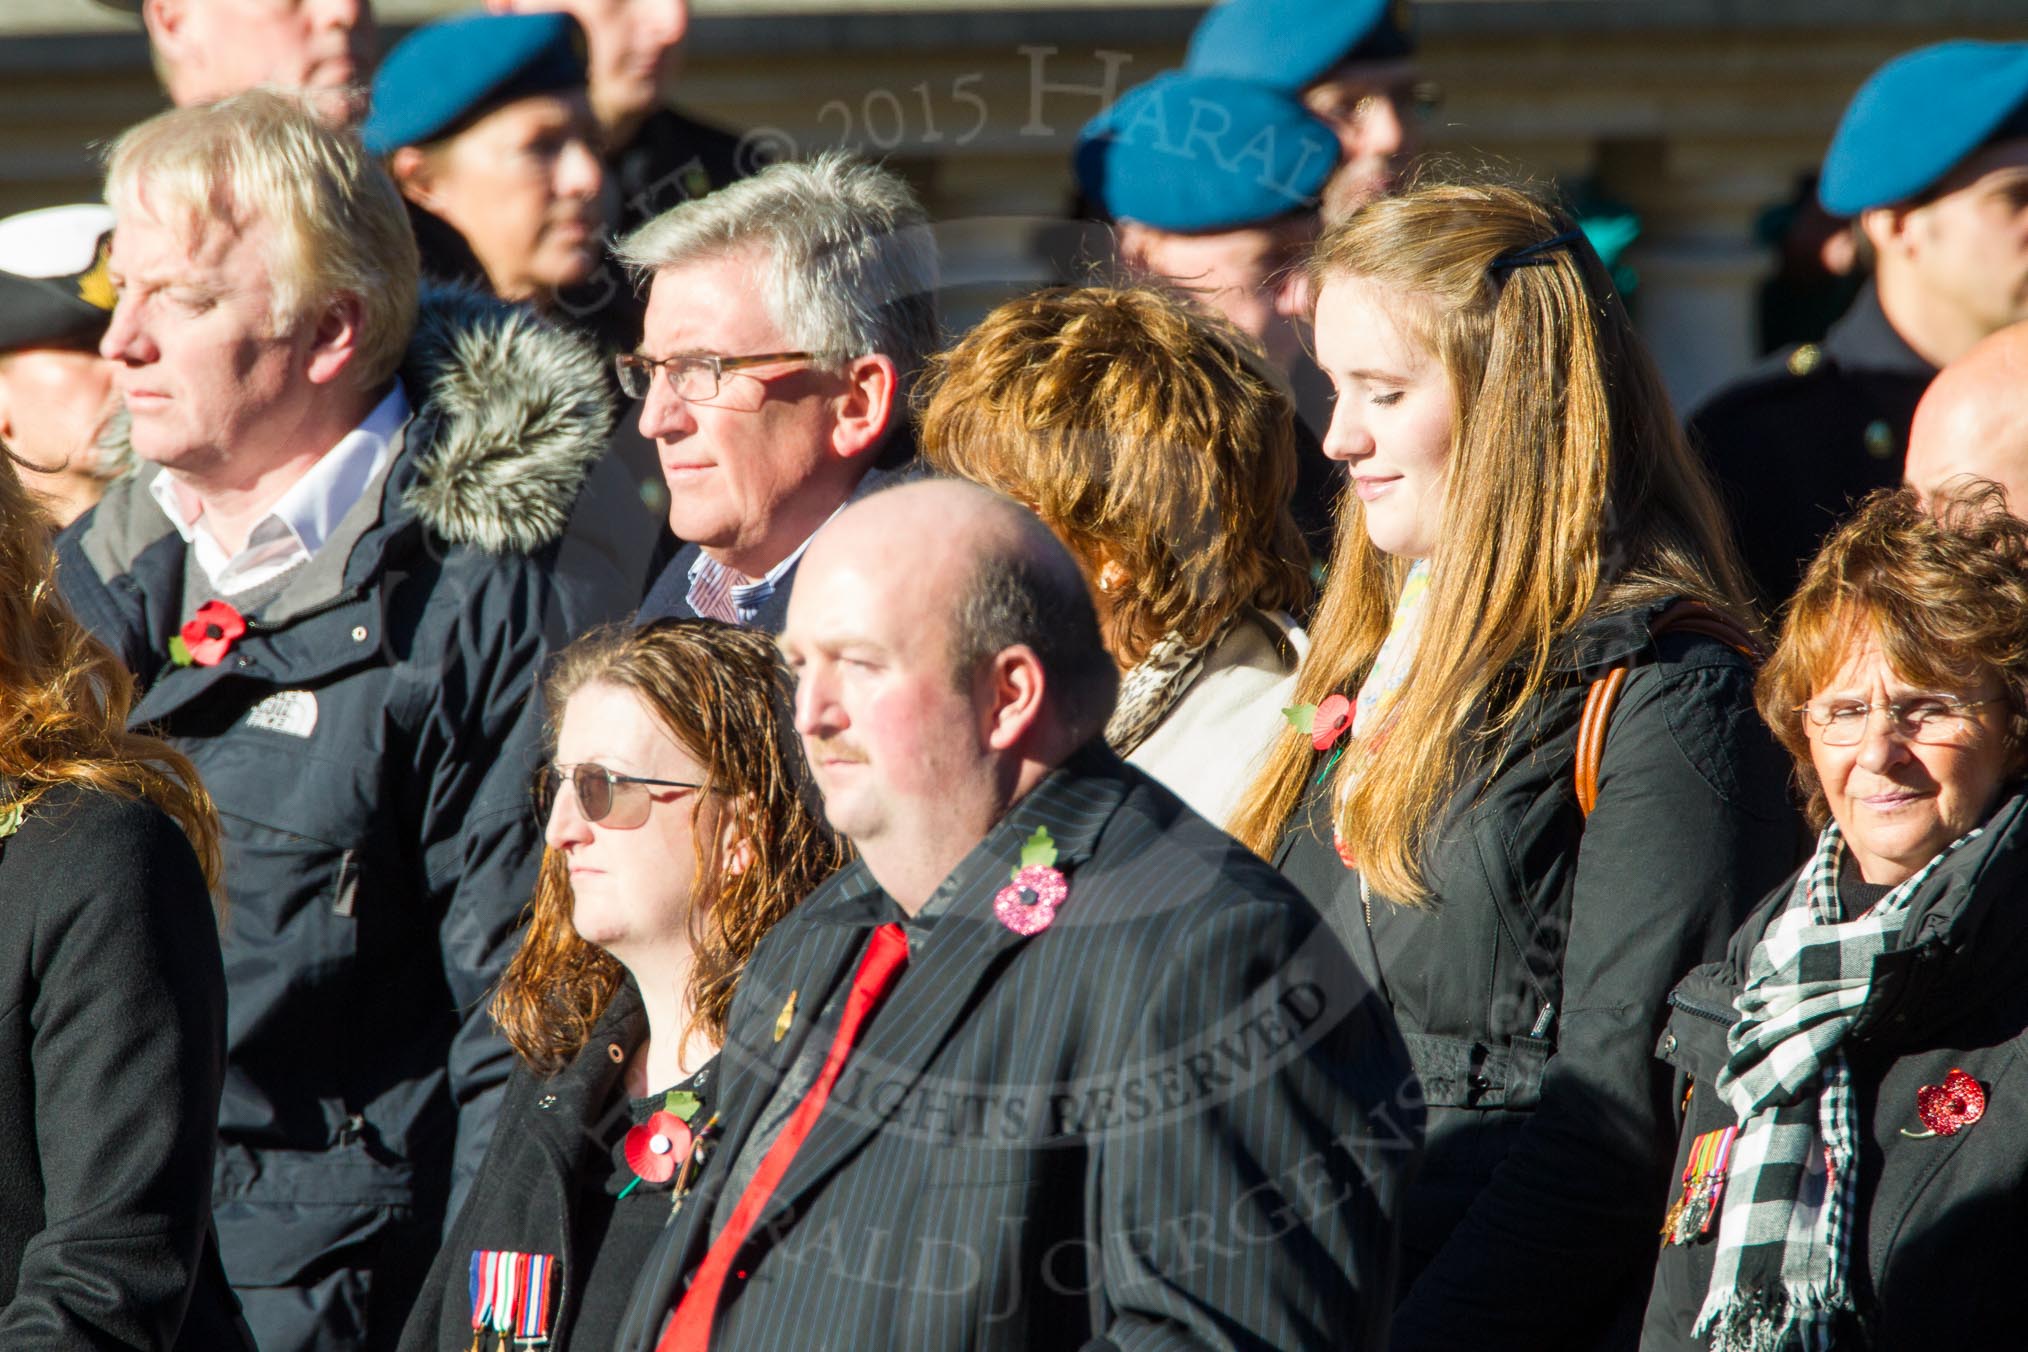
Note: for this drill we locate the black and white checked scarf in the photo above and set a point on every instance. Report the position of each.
(1778, 1278)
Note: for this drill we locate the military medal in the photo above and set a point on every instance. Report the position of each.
(511, 1295)
(1694, 1213)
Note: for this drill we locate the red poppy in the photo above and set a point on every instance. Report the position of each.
(657, 1146)
(211, 632)
(1948, 1108)
(1028, 904)
(1333, 717)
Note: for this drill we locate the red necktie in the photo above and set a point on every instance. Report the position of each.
(689, 1328)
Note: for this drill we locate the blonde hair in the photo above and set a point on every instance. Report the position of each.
(338, 225)
(1141, 429)
(1945, 591)
(1569, 490)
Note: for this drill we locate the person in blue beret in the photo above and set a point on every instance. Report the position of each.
(1212, 185)
(1350, 62)
(1930, 163)
(485, 125)
(656, 155)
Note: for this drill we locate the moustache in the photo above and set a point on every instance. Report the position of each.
(830, 748)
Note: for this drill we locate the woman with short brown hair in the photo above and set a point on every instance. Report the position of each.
(680, 830)
(1850, 1172)
(1145, 432)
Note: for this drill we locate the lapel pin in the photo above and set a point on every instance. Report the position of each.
(1027, 905)
(1948, 1108)
(786, 1017)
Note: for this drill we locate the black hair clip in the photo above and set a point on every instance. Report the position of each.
(1534, 253)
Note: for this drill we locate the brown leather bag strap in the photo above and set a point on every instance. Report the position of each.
(1687, 617)
(1591, 731)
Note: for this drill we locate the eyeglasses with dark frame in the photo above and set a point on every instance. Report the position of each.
(693, 376)
(603, 796)
(1929, 720)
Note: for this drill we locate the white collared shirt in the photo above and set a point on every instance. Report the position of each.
(303, 517)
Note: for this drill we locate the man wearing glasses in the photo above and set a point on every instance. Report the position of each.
(786, 315)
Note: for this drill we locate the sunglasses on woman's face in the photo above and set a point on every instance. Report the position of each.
(619, 801)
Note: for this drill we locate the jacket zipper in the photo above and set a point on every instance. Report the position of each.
(1727, 1017)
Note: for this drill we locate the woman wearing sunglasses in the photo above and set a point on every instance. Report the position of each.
(679, 830)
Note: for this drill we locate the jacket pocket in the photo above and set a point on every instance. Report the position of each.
(1461, 1073)
(291, 952)
(1700, 1017)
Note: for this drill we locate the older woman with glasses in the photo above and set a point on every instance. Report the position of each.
(680, 829)
(1851, 1171)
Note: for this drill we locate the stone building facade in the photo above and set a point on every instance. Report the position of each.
(1697, 114)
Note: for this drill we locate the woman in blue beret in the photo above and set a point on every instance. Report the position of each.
(485, 125)
(1525, 521)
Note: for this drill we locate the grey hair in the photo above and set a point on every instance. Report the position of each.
(849, 264)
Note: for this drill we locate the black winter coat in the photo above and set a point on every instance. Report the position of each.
(1941, 1219)
(1799, 437)
(1528, 992)
(112, 1050)
(370, 743)
(547, 1148)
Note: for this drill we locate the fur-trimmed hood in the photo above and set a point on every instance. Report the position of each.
(510, 411)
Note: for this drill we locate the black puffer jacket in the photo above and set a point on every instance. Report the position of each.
(1528, 993)
(1940, 1219)
(370, 743)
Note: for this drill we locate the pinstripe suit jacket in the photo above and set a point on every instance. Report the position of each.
(1176, 1118)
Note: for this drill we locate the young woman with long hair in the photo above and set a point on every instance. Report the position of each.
(1523, 512)
(680, 830)
(112, 1046)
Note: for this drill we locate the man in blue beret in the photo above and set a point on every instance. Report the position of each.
(1350, 62)
(1931, 162)
(1212, 185)
(205, 50)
